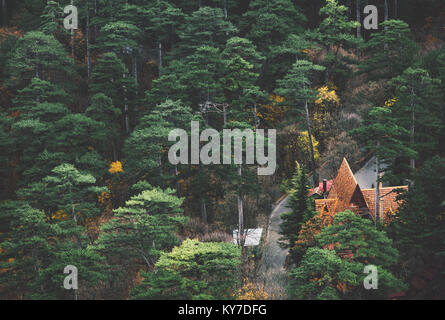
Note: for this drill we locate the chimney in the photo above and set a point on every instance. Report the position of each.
(325, 186)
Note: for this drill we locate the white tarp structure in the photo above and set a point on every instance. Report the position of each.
(252, 236)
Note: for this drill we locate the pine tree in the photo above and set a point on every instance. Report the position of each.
(418, 109)
(296, 88)
(194, 270)
(335, 34)
(392, 51)
(140, 231)
(111, 78)
(204, 27)
(301, 209)
(25, 249)
(102, 110)
(51, 19)
(38, 55)
(334, 268)
(268, 23)
(66, 190)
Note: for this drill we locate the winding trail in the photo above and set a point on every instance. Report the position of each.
(271, 271)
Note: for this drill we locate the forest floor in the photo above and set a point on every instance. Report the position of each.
(271, 269)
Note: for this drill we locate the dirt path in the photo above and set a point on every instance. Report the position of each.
(271, 270)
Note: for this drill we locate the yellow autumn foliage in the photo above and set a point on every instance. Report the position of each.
(389, 103)
(116, 167)
(327, 98)
(303, 143)
(60, 215)
(273, 112)
(251, 291)
(103, 197)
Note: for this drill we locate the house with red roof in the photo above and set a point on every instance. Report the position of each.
(344, 193)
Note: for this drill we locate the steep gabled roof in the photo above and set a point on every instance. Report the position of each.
(346, 189)
(388, 200)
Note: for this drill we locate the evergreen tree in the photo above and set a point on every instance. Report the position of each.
(301, 209)
(335, 34)
(135, 237)
(38, 55)
(204, 27)
(419, 109)
(111, 78)
(26, 250)
(335, 267)
(51, 19)
(194, 270)
(296, 88)
(267, 24)
(419, 227)
(66, 191)
(392, 51)
(102, 110)
(382, 133)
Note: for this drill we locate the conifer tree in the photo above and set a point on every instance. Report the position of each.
(301, 209)
(334, 269)
(38, 55)
(296, 88)
(111, 78)
(392, 51)
(140, 231)
(335, 34)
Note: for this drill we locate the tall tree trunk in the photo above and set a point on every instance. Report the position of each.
(88, 40)
(204, 212)
(72, 37)
(160, 50)
(412, 134)
(178, 187)
(377, 189)
(241, 239)
(95, 14)
(359, 18)
(126, 109)
(160, 57)
(135, 68)
(386, 19)
(225, 9)
(396, 9)
(4, 13)
(114, 150)
(311, 146)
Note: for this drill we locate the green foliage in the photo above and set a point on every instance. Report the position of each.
(334, 33)
(334, 268)
(67, 190)
(419, 109)
(301, 209)
(139, 232)
(382, 133)
(111, 78)
(205, 27)
(392, 50)
(419, 227)
(51, 19)
(296, 86)
(194, 270)
(37, 55)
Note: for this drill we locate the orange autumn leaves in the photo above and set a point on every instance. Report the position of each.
(312, 227)
(115, 167)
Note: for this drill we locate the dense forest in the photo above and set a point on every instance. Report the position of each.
(86, 179)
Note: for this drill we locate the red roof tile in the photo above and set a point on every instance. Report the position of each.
(345, 194)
